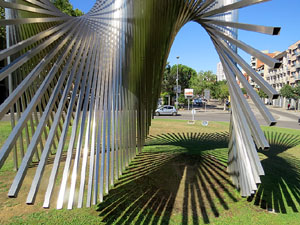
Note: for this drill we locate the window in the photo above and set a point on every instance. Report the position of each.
(295, 51)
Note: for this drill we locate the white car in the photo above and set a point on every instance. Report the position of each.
(166, 110)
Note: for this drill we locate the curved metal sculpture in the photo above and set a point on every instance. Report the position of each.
(88, 86)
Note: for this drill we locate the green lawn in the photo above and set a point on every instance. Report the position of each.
(180, 178)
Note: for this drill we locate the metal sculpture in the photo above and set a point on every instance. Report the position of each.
(88, 86)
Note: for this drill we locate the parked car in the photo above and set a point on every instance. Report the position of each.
(166, 110)
(198, 101)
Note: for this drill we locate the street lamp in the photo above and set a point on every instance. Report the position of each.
(176, 103)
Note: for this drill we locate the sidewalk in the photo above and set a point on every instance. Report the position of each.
(293, 112)
(276, 109)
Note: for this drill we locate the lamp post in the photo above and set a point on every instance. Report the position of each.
(176, 103)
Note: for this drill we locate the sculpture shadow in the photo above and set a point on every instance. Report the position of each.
(184, 174)
(279, 191)
(175, 174)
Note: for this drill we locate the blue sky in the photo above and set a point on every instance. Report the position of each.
(194, 46)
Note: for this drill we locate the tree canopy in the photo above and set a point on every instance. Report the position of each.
(66, 7)
(262, 94)
(287, 91)
(296, 91)
(203, 80)
(170, 74)
(221, 90)
(2, 28)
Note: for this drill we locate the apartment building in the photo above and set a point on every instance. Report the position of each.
(288, 73)
(220, 72)
(260, 67)
(279, 77)
(293, 69)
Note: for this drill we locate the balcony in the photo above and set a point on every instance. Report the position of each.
(297, 53)
(285, 69)
(297, 65)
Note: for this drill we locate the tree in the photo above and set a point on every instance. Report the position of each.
(66, 7)
(287, 91)
(244, 91)
(184, 75)
(221, 91)
(182, 99)
(203, 80)
(169, 78)
(2, 34)
(165, 81)
(296, 91)
(262, 94)
(2, 28)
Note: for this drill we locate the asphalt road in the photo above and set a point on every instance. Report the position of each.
(284, 119)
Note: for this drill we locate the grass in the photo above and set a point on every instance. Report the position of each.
(180, 178)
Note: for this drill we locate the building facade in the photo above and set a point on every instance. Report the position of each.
(220, 72)
(288, 73)
(293, 68)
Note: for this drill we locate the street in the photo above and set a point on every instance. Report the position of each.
(284, 118)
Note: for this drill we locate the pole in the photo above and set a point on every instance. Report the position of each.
(176, 103)
(8, 15)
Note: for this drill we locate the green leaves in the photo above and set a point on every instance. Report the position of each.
(222, 90)
(287, 91)
(2, 28)
(262, 94)
(203, 80)
(66, 7)
(185, 73)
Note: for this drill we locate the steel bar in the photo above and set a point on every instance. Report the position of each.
(26, 8)
(266, 87)
(244, 26)
(85, 88)
(273, 63)
(236, 5)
